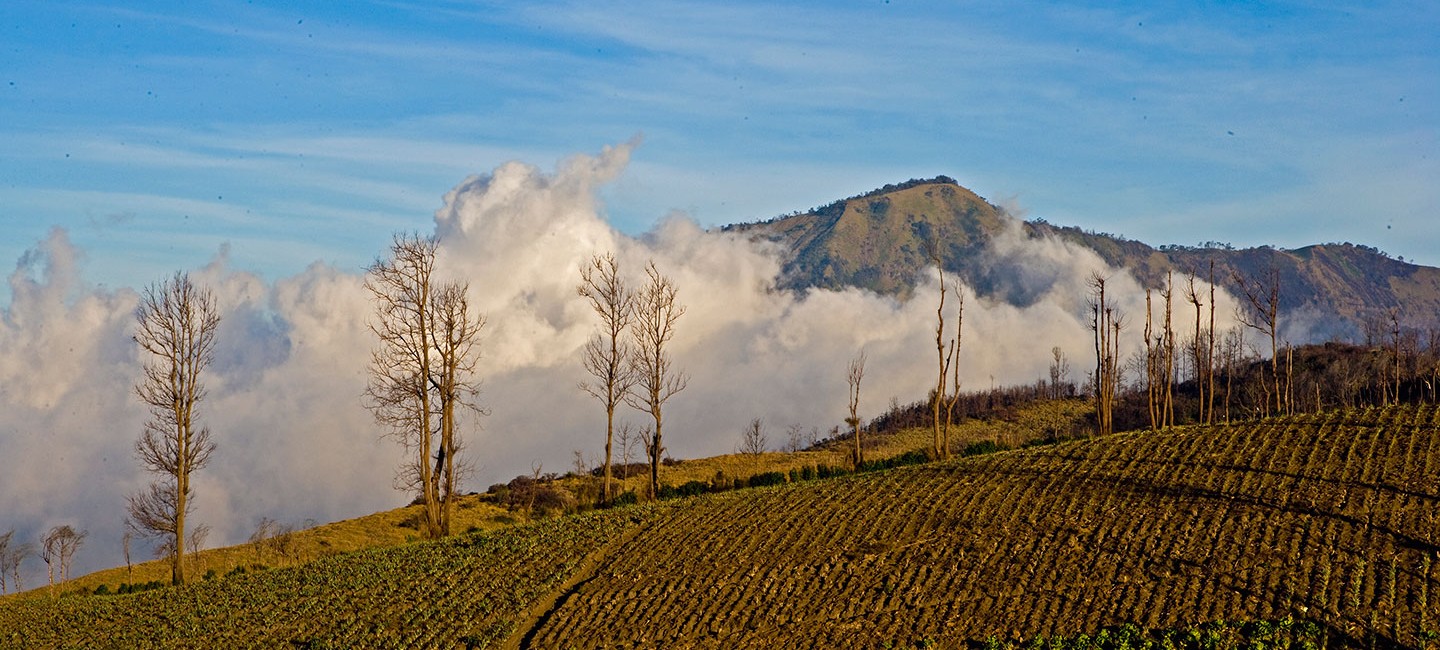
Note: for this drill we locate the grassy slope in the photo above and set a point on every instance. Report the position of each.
(1329, 517)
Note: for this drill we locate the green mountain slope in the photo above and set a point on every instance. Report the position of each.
(879, 241)
(1330, 517)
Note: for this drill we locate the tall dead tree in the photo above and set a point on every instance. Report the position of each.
(606, 355)
(1210, 352)
(1059, 373)
(177, 321)
(1106, 323)
(422, 373)
(1197, 348)
(947, 361)
(1393, 315)
(58, 548)
(1263, 297)
(5, 558)
(1152, 365)
(398, 393)
(457, 346)
(1167, 347)
(954, 362)
(655, 378)
(854, 373)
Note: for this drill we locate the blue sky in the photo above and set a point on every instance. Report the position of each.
(158, 133)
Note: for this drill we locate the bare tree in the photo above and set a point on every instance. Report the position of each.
(457, 342)
(11, 557)
(1152, 364)
(947, 361)
(398, 393)
(194, 542)
(264, 530)
(1210, 352)
(954, 363)
(794, 438)
(752, 438)
(177, 324)
(57, 548)
(627, 438)
(4, 557)
(1198, 351)
(422, 373)
(854, 374)
(606, 355)
(1232, 350)
(1167, 348)
(1263, 297)
(1059, 373)
(125, 548)
(655, 380)
(1107, 324)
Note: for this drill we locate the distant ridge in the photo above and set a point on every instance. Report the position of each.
(878, 240)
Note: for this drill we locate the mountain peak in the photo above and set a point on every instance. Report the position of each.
(881, 240)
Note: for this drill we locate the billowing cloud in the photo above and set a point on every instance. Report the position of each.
(294, 441)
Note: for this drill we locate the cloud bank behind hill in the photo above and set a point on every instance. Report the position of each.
(295, 442)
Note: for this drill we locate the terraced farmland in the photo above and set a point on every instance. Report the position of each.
(1331, 518)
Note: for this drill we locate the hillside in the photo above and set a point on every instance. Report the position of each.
(1327, 517)
(878, 241)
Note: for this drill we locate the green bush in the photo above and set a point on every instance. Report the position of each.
(982, 447)
(102, 590)
(768, 478)
(627, 498)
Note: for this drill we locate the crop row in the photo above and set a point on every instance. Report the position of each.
(469, 590)
(1327, 515)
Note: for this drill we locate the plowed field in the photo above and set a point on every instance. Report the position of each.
(1328, 517)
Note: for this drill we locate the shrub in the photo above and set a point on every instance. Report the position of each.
(768, 478)
(981, 448)
(627, 498)
(102, 590)
(692, 488)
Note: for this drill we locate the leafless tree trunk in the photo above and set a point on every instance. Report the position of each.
(58, 548)
(1393, 315)
(177, 321)
(457, 346)
(1107, 324)
(1167, 412)
(606, 355)
(627, 439)
(1232, 349)
(1263, 296)
(1210, 352)
(954, 362)
(853, 375)
(5, 558)
(125, 547)
(10, 562)
(947, 359)
(794, 438)
(752, 438)
(422, 373)
(1059, 373)
(656, 381)
(398, 394)
(1197, 349)
(1152, 365)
